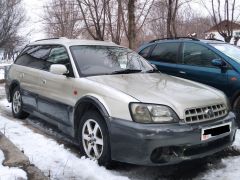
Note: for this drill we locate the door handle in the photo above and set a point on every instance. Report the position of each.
(44, 81)
(182, 72)
(21, 75)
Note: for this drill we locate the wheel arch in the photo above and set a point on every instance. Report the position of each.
(89, 103)
(234, 98)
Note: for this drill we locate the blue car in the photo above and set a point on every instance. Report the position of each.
(210, 62)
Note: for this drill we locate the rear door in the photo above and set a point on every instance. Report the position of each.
(165, 57)
(196, 65)
(28, 69)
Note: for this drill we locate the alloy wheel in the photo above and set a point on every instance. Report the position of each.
(92, 139)
(17, 102)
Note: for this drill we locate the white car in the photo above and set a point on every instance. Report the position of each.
(116, 105)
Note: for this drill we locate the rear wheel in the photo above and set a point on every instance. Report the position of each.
(94, 138)
(236, 109)
(17, 104)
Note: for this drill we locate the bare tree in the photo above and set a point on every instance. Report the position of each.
(13, 46)
(224, 16)
(131, 24)
(166, 17)
(94, 16)
(158, 23)
(110, 19)
(62, 19)
(114, 21)
(190, 22)
(11, 18)
(134, 15)
(173, 7)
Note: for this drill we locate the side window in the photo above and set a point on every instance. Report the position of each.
(198, 55)
(59, 55)
(34, 56)
(144, 53)
(165, 52)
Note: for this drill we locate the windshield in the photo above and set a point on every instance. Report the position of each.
(100, 60)
(230, 50)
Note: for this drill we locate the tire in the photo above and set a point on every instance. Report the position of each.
(17, 104)
(93, 138)
(236, 110)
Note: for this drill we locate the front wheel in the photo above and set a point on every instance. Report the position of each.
(94, 138)
(17, 104)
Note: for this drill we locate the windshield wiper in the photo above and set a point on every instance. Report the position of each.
(127, 71)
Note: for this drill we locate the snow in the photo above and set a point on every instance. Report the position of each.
(7, 173)
(61, 163)
(1, 74)
(4, 64)
(229, 169)
(53, 159)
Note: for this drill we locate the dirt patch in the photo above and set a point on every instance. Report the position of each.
(15, 158)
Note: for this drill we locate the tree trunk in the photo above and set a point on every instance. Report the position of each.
(227, 39)
(169, 19)
(236, 39)
(131, 24)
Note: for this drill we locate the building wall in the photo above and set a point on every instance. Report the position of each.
(218, 36)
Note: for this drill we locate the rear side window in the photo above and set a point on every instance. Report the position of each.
(35, 57)
(144, 53)
(165, 52)
(198, 55)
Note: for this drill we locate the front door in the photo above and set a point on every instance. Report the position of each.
(165, 57)
(56, 99)
(197, 65)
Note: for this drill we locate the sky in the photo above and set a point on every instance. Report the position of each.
(34, 27)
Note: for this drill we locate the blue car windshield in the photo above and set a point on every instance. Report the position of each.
(230, 50)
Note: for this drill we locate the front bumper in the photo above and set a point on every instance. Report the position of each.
(162, 144)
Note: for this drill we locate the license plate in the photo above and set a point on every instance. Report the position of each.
(213, 131)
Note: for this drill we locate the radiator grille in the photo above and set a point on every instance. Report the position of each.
(205, 113)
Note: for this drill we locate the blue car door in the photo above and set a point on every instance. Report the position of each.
(165, 57)
(196, 65)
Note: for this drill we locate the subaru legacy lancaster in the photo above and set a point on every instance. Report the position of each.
(116, 105)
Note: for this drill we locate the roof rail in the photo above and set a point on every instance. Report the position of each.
(51, 38)
(191, 38)
(213, 39)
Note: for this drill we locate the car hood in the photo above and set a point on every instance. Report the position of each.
(157, 88)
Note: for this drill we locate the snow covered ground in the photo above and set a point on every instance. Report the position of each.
(7, 173)
(59, 162)
(53, 159)
(2, 66)
(1, 74)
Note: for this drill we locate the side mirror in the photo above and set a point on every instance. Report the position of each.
(218, 63)
(58, 69)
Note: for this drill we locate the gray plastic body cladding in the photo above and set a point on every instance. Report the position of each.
(133, 142)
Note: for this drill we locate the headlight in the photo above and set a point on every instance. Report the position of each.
(150, 113)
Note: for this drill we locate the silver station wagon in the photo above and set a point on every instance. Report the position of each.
(116, 105)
